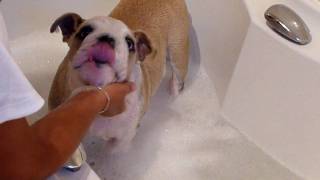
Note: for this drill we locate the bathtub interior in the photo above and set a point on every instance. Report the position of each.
(179, 139)
(273, 92)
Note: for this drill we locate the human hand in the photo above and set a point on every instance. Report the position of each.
(117, 93)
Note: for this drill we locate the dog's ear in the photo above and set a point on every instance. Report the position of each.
(68, 24)
(143, 45)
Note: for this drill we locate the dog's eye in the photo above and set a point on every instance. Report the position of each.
(130, 44)
(84, 32)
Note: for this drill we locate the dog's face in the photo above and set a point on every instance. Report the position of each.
(102, 49)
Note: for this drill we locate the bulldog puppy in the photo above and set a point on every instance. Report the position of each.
(132, 44)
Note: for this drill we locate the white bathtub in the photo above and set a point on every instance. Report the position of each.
(274, 94)
(185, 139)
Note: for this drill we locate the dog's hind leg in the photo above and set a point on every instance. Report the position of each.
(178, 56)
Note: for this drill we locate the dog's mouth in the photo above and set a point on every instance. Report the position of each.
(96, 65)
(99, 54)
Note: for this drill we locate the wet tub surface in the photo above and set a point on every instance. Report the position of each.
(180, 139)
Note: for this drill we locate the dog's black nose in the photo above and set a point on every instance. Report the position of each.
(107, 39)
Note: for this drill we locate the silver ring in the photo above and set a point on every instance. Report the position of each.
(108, 99)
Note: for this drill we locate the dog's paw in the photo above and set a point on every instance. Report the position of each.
(176, 86)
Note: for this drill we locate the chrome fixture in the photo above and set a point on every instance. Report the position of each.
(77, 159)
(287, 23)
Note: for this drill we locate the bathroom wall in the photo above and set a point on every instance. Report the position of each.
(221, 39)
(33, 15)
(220, 43)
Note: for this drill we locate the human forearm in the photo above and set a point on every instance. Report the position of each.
(37, 151)
(63, 128)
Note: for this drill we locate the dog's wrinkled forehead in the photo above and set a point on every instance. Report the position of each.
(100, 30)
(107, 25)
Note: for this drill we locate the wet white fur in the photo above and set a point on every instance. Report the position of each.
(118, 130)
(118, 30)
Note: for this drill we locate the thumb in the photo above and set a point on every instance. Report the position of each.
(127, 87)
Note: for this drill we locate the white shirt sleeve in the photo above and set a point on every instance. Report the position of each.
(17, 97)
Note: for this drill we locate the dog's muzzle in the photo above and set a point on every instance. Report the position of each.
(96, 64)
(101, 53)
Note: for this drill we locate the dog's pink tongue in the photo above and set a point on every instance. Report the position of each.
(102, 53)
